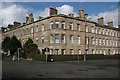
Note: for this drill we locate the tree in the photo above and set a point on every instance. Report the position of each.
(6, 44)
(11, 44)
(30, 49)
(15, 44)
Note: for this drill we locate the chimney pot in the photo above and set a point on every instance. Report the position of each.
(110, 23)
(100, 21)
(53, 11)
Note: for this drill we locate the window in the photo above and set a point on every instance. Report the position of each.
(93, 40)
(106, 32)
(78, 27)
(93, 51)
(96, 42)
(110, 42)
(116, 43)
(63, 25)
(113, 43)
(96, 30)
(63, 51)
(79, 51)
(51, 38)
(112, 33)
(78, 40)
(32, 30)
(107, 42)
(104, 52)
(100, 42)
(87, 28)
(92, 30)
(100, 51)
(104, 42)
(51, 25)
(71, 39)
(96, 51)
(63, 38)
(86, 40)
(57, 38)
(37, 40)
(37, 28)
(71, 26)
(57, 51)
(42, 39)
(51, 51)
(27, 31)
(57, 24)
(42, 27)
(116, 34)
(103, 32)
(71, 51)
(99, 31)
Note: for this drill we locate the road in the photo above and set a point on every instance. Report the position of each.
(37, 69)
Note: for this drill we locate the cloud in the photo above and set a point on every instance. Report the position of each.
(108, 15)
(12, 13)
(64, 9)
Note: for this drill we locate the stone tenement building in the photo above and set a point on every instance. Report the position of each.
(66, 34)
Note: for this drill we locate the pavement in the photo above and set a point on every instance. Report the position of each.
(74, 69)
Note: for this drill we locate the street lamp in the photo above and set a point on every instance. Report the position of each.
(86, 15)
(85, 37)
(18, 56)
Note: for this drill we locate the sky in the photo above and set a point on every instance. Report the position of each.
(17, 11)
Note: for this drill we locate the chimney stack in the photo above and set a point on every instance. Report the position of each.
(81, 14)
(110, 24)
(29, 18)
(16, 24)
(100, 21)
(53, 11)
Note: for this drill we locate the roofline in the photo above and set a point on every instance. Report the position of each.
(62, 15)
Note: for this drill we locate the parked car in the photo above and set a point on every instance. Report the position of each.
(50, 59)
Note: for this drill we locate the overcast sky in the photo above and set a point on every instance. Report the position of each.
(17, 11)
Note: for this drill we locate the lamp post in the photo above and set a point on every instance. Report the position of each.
(18, 56)
(85, 38)
(78, 53)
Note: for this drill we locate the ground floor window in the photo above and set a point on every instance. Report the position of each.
(86, 51)
(71, 51)
(51, 51)
(93, 51)
(57, 51)
(104, 52)
(79, 51)
(63, 51)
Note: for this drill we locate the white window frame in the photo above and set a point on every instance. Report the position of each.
(56, 23)
(31, 29)
(63, 25)
(78, 40)
(71, 39)
(57, 37)
(42, 28)
(93, 39)
(71, 26)
(51, 25)
(63, 38)
(36, 28)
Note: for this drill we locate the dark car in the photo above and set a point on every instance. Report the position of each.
(50, 59)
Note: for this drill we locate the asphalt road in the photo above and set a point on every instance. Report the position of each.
(37, 69)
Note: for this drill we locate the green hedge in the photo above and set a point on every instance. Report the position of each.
(75, 57)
